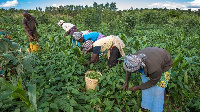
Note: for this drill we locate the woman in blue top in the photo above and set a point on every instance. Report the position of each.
(78, 36)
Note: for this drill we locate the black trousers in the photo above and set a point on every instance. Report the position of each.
(114, 55)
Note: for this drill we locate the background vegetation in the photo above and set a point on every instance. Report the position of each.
(55, 81)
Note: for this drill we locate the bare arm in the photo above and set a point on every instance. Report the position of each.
(67, 33)
(128, 75)
(154, 78)
(95, 58)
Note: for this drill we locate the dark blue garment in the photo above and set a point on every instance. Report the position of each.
(96, 50)
(141, 71)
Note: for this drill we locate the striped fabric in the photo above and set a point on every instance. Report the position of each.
(77, 35)
(133, 63)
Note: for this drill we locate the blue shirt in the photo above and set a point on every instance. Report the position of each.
(91, 36)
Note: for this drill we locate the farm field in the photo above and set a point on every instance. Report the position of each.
(53, 79)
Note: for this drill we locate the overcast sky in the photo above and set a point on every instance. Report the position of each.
(121, 4)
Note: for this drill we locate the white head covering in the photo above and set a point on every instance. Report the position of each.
(60, 22)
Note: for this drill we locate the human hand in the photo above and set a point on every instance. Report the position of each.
(125, 86)
(31, 37)
(134, 88)
(82, 51)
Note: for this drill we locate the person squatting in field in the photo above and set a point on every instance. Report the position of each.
(69, 29)
(112, 43)
(154, 64)
(29, 23)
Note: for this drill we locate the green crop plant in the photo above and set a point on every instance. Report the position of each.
(93, 75)
(57, 71)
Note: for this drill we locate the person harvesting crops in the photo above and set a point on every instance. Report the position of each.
(154, 64)
(80, 37)
(112, 43)
(69, 29)
(30, 24)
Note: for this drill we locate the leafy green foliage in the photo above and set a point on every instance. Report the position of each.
(58, 71)
(7, 90)
(93, 75)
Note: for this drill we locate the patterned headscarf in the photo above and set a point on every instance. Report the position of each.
(87, 45)
(77, 35)
(133, 63)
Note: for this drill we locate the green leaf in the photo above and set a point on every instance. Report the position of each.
(45, 104)
(14, 45)
(5, 94)
(7, 40)
(75, 91)
(6, 84)
(19, 68)
(129, 92)
(19, 83)
(117, 109)
(93, 101)
(177, 60)
(171, 85)
(73, 102)
(7, 19)
(10, 57)
(46, 109)
(180, 78)
(17, 110)
(47, 46)
(183, 64)
(185, 78)
(27, 65)
(3, 46)
(19, 93)
(32, 95)
(2, 20)
(136, 107)
(129, 40)
(53, 105)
